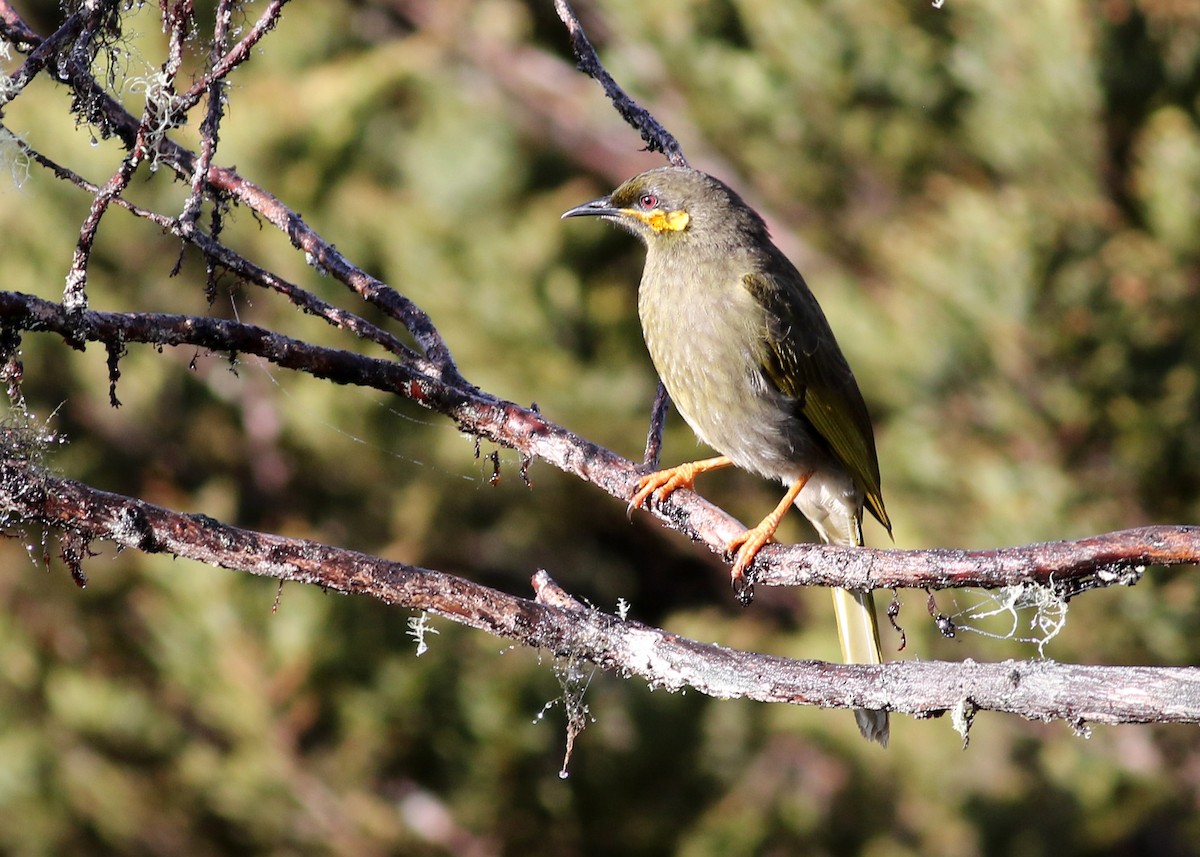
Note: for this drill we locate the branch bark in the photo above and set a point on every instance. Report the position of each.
(1031, 689)
(1069, 567)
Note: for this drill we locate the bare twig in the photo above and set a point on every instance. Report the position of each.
(234, 262)
(658, 138)
(16, 31)
(43, 52)
(75, 295)
(210, 127)
(658, 419)
(157, 117)
(223, 63)
(113, 119)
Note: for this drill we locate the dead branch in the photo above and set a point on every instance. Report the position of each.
(1033, 689)
(1069, 567)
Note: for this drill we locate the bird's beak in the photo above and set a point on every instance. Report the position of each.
(601, 207)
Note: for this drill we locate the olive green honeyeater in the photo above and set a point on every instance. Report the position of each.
(749, 360)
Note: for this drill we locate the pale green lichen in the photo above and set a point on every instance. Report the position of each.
(14, 159)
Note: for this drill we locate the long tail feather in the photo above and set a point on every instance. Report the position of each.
(858, 633)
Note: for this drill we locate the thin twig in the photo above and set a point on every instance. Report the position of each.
(658, 420)
(657, 138)
(211, 125)
(249, 271)
(112, 119)
(223, 63)
(156, 118)
(43, 52)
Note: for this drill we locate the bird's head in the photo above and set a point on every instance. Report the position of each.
(671, 205)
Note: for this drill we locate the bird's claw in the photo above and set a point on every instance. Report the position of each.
(739, 576)
(743, 587)
(660, 485)
(744, 548)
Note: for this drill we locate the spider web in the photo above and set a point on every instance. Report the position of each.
(1026, 613)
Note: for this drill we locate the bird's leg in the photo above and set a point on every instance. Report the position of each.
(748, 544)
(663, 483)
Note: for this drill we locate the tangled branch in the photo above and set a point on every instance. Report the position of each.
(428, 376)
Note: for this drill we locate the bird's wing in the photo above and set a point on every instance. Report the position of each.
(802, 360)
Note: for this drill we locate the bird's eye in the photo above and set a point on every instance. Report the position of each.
(648, 201)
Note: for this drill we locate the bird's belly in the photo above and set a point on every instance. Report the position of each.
(749, 429)
(724, 398)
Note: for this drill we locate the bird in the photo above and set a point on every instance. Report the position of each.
(751, 363)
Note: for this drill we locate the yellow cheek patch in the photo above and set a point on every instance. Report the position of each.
(662, 221)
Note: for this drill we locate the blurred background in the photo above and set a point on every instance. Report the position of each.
(998, 206)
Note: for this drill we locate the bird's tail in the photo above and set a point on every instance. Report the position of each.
(858, 632)
(857, 627)
(839, 522)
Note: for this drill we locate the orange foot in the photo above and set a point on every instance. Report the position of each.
(663, 483)
(747, 545)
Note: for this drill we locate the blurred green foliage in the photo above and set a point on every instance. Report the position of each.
(998, 205)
